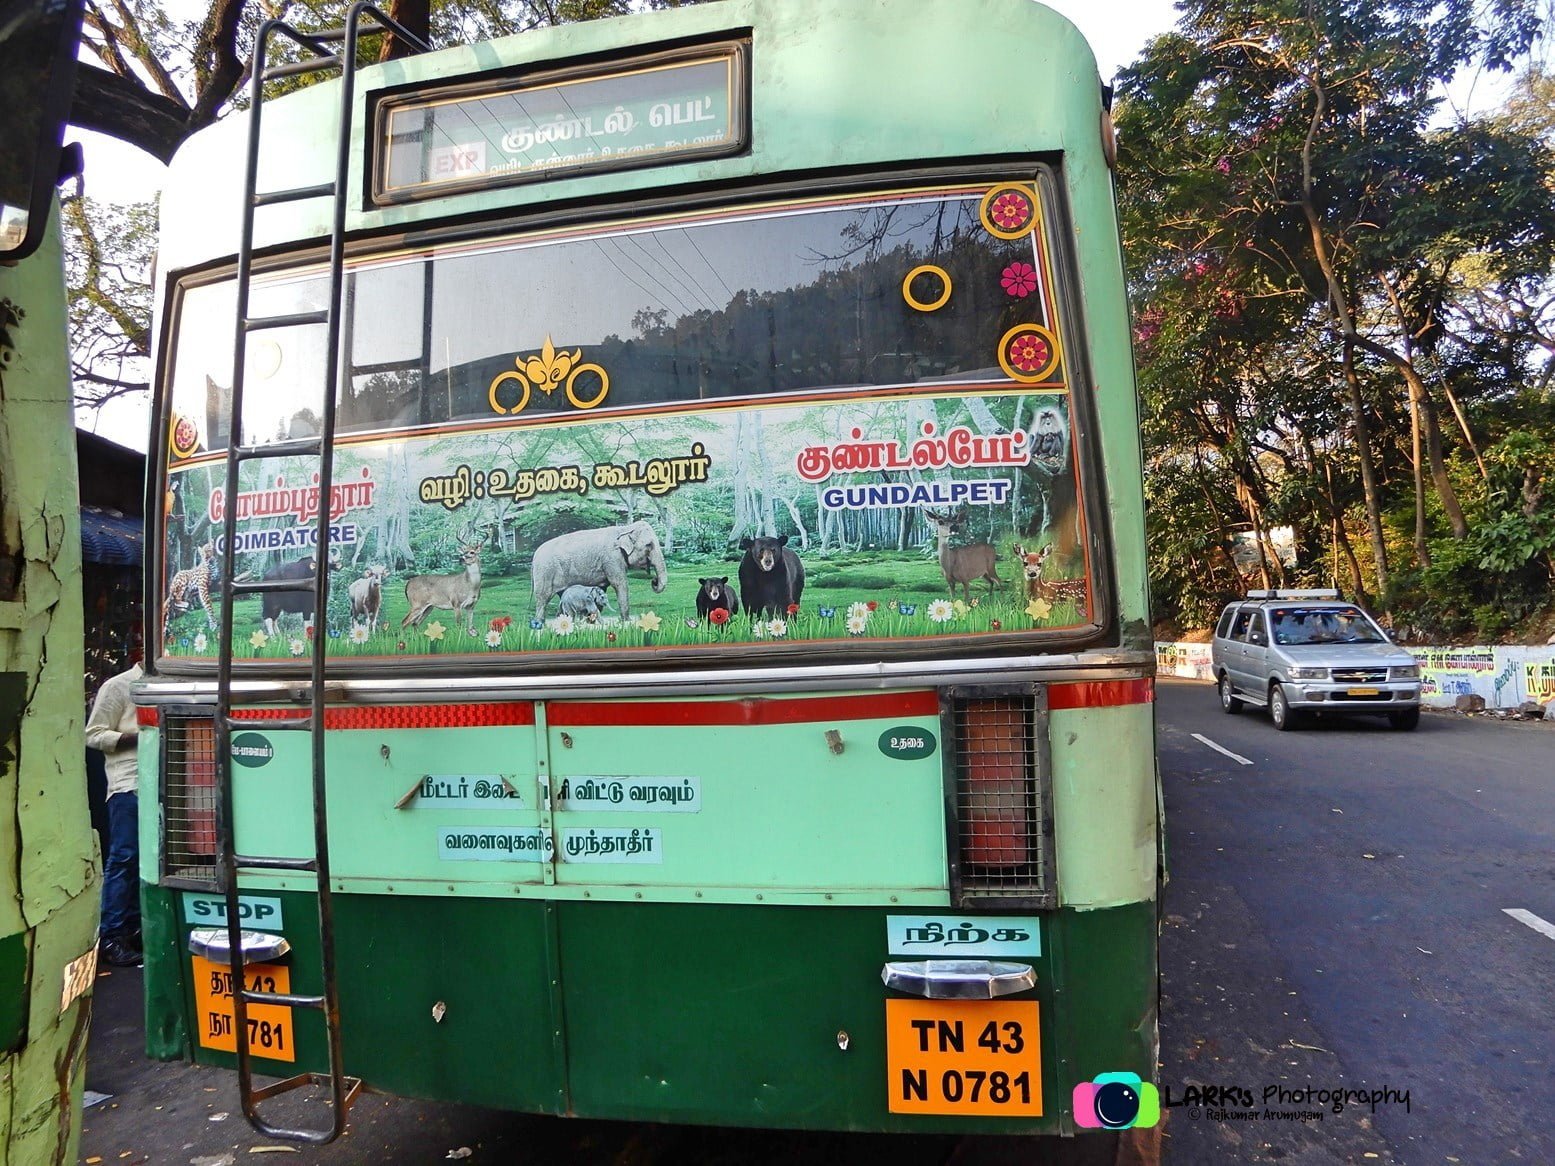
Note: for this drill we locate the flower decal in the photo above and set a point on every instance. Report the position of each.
(359, 634)
(563, 625)
(435, 630)
(298, 647)
(793, 609)
(200, 642)
(1028, 353)
(258, 640)
(493, 638)
(861, 610)
(857, 624)
(960, 608)
(1019, 279)
(1009, 211)
(942, 611)
(719, 616)
(777, 628)
(1039, 609)
(648, 622)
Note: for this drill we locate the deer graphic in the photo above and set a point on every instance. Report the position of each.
(962, 565)
(456, 592)
(1049, 590)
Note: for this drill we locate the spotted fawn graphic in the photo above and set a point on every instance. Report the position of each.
(1049, 590)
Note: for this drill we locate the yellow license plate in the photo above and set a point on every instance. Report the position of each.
(269, 1025)
(964, 1057)
(1365, 692)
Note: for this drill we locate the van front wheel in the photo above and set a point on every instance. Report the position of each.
(1405, 720)
(1280, 712)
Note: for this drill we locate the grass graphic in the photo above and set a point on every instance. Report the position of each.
(903, 587)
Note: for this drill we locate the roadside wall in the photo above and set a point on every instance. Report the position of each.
(1505, 676)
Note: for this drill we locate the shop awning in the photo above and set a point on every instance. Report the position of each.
(110, 538)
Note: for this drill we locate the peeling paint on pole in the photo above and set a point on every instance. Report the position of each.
(48, 864)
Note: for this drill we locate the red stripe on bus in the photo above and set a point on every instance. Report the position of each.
(1093, 694)
(410, 716)
(757, 711)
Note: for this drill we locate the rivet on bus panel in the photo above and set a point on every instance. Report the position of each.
(834, 741)
(843, 1039)
(566, 740)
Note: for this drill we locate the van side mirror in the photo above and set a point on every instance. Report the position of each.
(38, 41)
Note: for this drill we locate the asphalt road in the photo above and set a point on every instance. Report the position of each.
(1334, 920)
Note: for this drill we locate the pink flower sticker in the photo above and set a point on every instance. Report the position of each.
(1019, 279)
(1028, 353)
(1010, 211)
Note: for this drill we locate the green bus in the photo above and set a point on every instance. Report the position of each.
(49, 869)
(651, 614)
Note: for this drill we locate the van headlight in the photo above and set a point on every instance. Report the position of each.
(1309, 673)
(1404, 672)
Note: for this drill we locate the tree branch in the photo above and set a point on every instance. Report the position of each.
(123, 108)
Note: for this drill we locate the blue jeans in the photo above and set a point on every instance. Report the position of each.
(121, 868)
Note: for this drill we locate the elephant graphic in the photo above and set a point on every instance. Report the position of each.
(596, 558)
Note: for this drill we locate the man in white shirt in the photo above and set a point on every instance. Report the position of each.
(112, 730)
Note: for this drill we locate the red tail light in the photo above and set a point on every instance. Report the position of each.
(189, 798)
(997, 786)
(1001, 837)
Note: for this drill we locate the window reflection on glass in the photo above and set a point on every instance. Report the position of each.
(752, 303)
(1323, 625)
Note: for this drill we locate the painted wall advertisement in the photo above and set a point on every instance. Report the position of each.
(1505, 676)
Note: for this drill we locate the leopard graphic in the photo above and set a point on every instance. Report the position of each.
(197, 577)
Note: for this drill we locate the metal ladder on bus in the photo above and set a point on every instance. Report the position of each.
(322, 56)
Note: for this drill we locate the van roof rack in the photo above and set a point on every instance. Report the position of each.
(1296, 593)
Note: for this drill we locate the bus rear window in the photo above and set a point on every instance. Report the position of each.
(873, 385)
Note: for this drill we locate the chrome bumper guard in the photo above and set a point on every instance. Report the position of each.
(958, 979)
(213, 944)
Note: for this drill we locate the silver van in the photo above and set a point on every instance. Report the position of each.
(1299, 652)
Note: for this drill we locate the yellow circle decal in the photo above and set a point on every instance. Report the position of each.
(1028, 353)
(604, 386)
(1009, 211)
(183, 436)
(491, 393)
(933, 305)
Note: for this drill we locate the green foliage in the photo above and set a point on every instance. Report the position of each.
(1286, 180)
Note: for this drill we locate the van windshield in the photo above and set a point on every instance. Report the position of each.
(1323, 625)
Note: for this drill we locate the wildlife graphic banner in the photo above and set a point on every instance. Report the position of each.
(854, 516)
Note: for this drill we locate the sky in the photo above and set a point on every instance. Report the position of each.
(1116, 29)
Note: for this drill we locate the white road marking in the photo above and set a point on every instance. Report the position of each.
(1542, 926)
(1221, 749)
